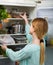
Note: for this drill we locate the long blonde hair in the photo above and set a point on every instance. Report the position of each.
(40, 28)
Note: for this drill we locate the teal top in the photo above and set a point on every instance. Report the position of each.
(27, 30)
(29, 55)
(29, 36)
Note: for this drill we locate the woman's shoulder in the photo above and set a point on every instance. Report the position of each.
(32, 46)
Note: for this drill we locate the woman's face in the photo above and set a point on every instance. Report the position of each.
(31, 29)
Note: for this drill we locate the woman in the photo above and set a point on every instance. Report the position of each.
(27, 29)
(31, 54)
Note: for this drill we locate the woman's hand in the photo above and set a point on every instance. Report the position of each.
(4, 47)
(24, 17)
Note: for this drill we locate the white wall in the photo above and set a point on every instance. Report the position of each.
(45, 9)
(50, 24)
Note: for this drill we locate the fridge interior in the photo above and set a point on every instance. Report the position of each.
(15, 20)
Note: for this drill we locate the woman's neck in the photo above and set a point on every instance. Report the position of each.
(35, 39)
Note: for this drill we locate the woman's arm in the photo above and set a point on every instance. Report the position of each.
(18, 55)
(28, 35)
(27, 28)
